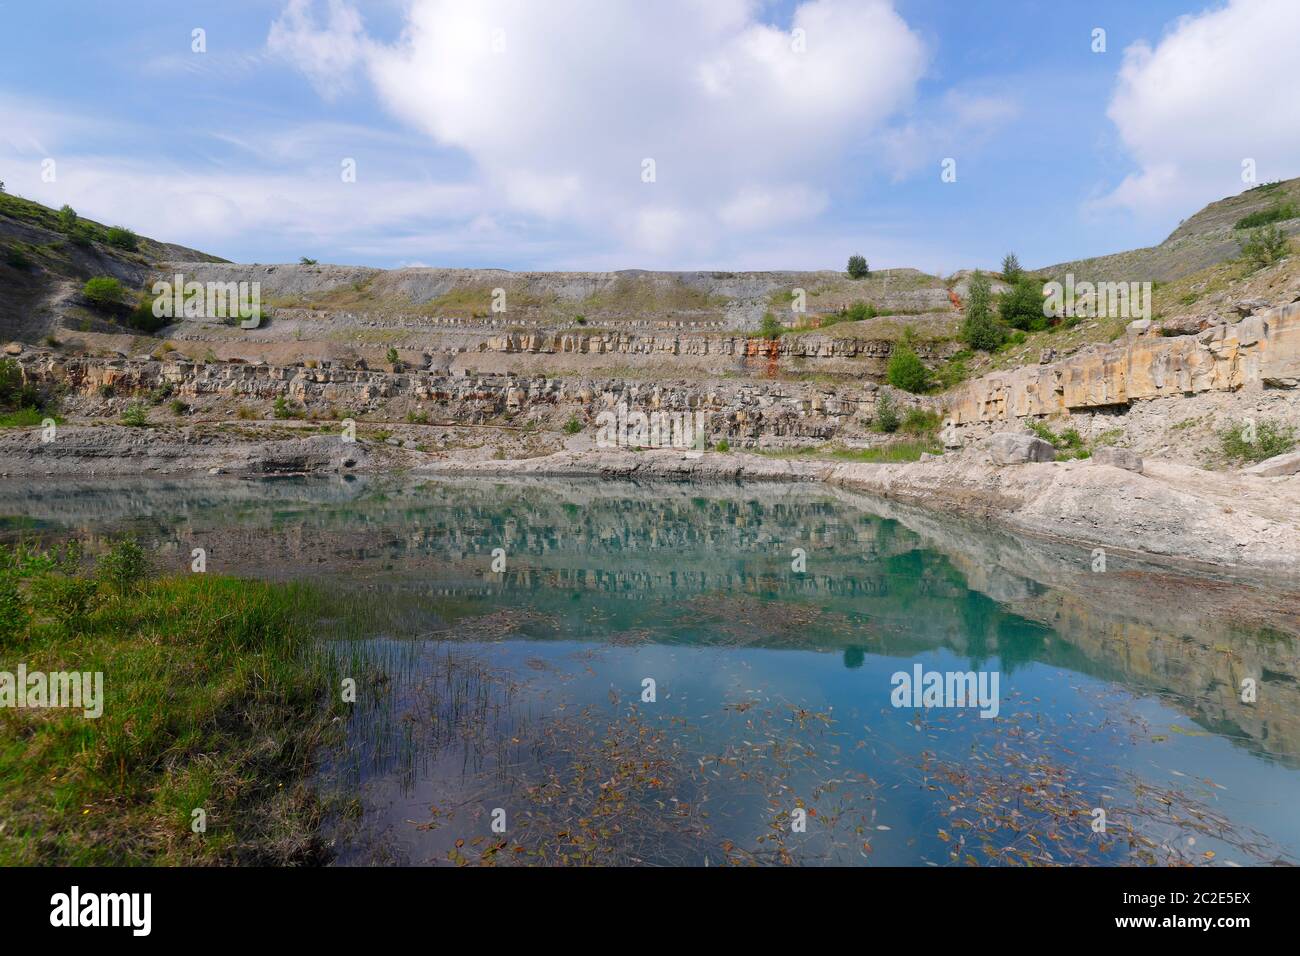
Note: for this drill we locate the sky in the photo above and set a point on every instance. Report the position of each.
(673, 134)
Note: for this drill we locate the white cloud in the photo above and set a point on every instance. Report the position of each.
(558, 103)
(1218, 88)
(209, 206)
(326, 53)
(956, 124)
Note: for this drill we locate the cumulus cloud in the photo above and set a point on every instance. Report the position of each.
(559, 104)
(1217, 89)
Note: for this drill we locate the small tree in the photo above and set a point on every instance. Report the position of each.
(392, 356)
(1265, 246)
(67, 218)
(1011, 270)
(304, 261)
(980, 329)
(1022, 306)
(886, 417)
(771, 327)
(906, 370)
(858, 268)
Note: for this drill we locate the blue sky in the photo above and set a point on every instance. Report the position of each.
(513, 133)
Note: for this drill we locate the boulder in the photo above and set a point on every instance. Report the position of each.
(1124, 458)
(14, 348)
(1189, 324)
(1279, 465)
(1245, 307)
(1139, 327)
(1013, 448)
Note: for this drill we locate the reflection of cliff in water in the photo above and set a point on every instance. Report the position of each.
(881, 578)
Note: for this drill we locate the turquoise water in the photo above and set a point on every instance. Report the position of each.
(505, 713)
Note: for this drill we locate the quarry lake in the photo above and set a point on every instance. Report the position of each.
(601, 672)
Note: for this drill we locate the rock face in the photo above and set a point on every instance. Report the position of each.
(1118, 458)
(1014, 448)
(1278, 465)
(1261, 349)
(740, 410)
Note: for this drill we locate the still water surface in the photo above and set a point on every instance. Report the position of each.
(703, 675)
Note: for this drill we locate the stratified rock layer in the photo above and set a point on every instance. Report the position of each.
(1262, 349)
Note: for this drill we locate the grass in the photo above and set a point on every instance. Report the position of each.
(25, 418)
(214, 695)
(1068, 444)
(894, 453)
(1250, 442)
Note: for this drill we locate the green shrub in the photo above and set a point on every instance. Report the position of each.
(861, 311)
(858, 268)
(1264, 440)
(67, 600)
(281, 409)
(1022, 306)
(771, 327)
(103, 291)
(886, 417)
(919, 421)
(1265, 217)
(304, 261)
(178, 407)
(14, 392)
(572, 426)
(1265, 246)
(67, 219)
(723, 445)
(122, 238)
(83, 234)
(123, 567)
(142, 318)
(136, 415)
(391, 357)
(980, 329)
(906, 370)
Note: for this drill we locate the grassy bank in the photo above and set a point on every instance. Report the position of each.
(215, 696)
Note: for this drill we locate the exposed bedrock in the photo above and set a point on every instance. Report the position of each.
(1259, 351)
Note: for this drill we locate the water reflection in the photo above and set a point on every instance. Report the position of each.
(698, 585)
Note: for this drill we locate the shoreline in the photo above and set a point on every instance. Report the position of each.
(1168, 513)
(1156, 516)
